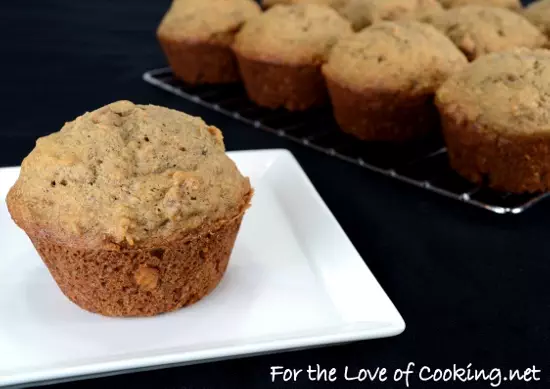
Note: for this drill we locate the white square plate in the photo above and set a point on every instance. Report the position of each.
(294, 280)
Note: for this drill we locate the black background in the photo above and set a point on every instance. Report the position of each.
(472, 286)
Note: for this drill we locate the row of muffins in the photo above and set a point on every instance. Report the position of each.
(383, 79)
(197, 36)
(363, 13)
(279, 54)
(396, 7)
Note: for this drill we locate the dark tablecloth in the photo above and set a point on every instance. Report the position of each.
(472, 286)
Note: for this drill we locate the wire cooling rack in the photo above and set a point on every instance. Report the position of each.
(421, 163)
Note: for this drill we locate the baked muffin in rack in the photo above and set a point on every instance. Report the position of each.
(382, 79)
(496, 120)
(479, 30)
(196, 37)
(280, 54)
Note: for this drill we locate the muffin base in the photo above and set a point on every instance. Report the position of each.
(202, 62)
(509, 162)
(141, 282)
(270, 85)
(378, 116)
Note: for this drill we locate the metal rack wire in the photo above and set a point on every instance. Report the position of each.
(420, 163)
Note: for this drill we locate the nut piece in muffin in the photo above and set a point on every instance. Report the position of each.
(382, 80)
(496, 120)
(196, 37)
(514, 5)
(363, 13)
(134, 209)
(479, 30)
(538, 13)
(280, 54)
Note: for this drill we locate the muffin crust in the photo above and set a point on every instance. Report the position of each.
(382, 80)
(125, 174)
(280, 54)
(538, 13)
(196, 36)
(514, 5)
(479, 30)
(495, 117)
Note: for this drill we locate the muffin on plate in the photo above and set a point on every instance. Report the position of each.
(496, 120)
(196, 37)
(479, 30)
(382, 80)
(514, 5)
(134, 209)
(538, 13)
(280, 54)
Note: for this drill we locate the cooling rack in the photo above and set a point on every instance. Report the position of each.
(421, 163)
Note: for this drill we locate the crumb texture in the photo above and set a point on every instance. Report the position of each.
(201, 20)
(294, 34)
(506, 92)
(127, 173)
(406, 57)
(479, 30)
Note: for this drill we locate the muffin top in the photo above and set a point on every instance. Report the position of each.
(301, 34)
(397, 57)
(127, 174)
(363, 13)
(506, 91)
(331, 3)
(510, 4)
(206, 20)
(478, 30)
(538, 13)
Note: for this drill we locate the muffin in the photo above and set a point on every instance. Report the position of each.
(538, 13)
(382, 80)
(331, 3)
(134, 209)
(496, 120)
(196, 37)
(363, 13)
(514, 5)
(280, 54)
(479, 30)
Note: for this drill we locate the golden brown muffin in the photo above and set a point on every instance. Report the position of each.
(479, 30)
(280, 54)
(496, 120)
(134, 209)
(382, 80)
(363, 13)
(196, 37)
(331, 3)
(514, 5)
(538, 13)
